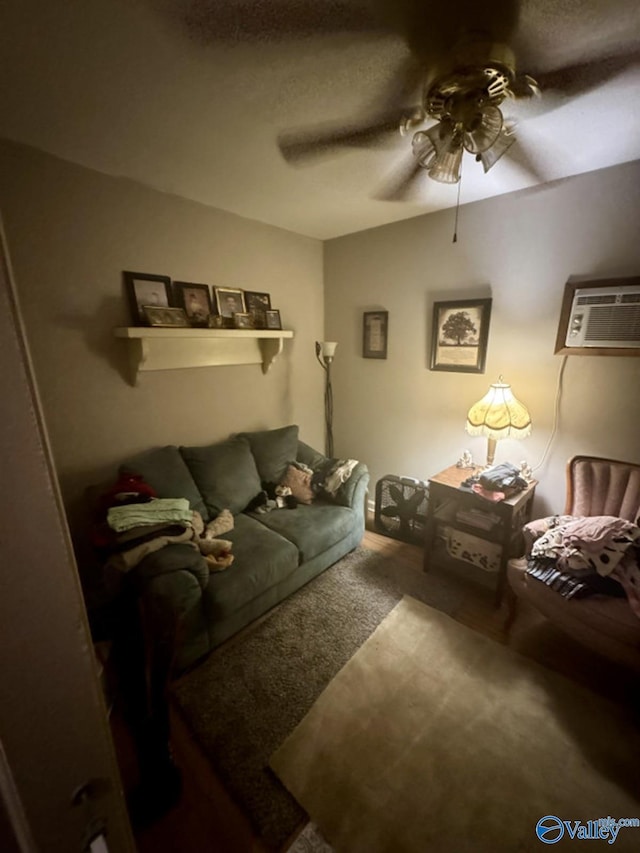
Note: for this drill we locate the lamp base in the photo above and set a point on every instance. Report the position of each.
(491, 451)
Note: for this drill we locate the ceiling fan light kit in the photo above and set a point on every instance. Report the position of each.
(465, 101)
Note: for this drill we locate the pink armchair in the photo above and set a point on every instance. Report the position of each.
(605, 624)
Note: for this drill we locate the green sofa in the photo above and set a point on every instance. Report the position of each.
(275, 553)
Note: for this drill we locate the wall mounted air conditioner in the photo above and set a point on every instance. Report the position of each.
(600, 318)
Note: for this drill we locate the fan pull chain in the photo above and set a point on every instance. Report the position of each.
(455, 224)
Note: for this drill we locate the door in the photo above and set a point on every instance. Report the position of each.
(54, 733)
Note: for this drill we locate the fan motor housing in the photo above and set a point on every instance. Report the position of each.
(401, 507)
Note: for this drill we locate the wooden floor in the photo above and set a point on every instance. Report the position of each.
(204, 821)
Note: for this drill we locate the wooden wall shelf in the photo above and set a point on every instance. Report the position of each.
(153, 348)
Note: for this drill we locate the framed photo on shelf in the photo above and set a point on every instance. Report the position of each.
(459, 335)
(256, 304)
(242, 321)
(146, 289)
(195, 299)
(166, 316)
(375, 330)
(229, 301)
(272, 319)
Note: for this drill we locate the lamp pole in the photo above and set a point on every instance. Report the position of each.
(324, 353)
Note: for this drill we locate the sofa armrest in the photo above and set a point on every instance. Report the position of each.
(354, 491)
(174, 615)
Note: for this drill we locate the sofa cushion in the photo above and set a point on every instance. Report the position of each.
(262, 559)
(225, 473)
(273, 450)
(312, 529)
(164, 469)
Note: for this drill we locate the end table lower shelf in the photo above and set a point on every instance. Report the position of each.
(492, 529)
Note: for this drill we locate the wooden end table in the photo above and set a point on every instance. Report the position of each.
(447, 500)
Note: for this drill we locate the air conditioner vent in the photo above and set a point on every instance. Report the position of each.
(615, 323)
(609, 299)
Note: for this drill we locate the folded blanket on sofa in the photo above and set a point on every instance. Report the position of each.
(155, 511)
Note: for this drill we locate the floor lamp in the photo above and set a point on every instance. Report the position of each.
(325, 351)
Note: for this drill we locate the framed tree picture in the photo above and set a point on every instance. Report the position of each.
(375, 328)
(459, 335)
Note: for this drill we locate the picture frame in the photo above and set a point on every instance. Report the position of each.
(145, 289)
(256, 304)
(375, 333)
(229, 301)
(272, 319)
(242, 321)
(195, 300)
(459, 335)
(167, 317)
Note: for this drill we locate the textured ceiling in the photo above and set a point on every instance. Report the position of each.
(190, 96)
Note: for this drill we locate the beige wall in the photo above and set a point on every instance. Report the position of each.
(71, 232)
(403, 418)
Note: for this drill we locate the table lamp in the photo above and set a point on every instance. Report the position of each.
(498, 415)
(325, 351)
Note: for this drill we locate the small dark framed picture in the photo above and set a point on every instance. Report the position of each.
(375, 331)
(229, 301)
(459, 335)
(166, 316)
(145, 289)
(256, 304)
(242, 321)
(195, 299)
(272, 319)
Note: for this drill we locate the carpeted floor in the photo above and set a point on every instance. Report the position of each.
(251, 693)
(434, 738)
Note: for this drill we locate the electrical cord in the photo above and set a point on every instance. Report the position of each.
(556, 414)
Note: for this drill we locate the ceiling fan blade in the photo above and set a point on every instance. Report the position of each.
(399, 184)
(560, 84)
(583, 77)
(395, 103)
(529, 159)
(322, 141)
(248, 20)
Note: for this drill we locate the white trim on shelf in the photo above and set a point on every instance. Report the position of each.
(156, 348)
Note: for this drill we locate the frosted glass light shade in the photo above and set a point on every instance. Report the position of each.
(504, 141)
(328, 348)
(499, 414)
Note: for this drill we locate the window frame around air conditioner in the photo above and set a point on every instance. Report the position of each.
(565, 314)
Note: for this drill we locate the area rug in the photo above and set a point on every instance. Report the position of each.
(433, 738)
(244, 700)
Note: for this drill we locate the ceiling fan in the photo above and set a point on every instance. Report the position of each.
(459, 89)
(466, 75)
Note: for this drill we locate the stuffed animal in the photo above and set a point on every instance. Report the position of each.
(222, 523)
(217, 553)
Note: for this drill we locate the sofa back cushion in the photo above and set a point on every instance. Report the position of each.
(273, 450)
(164, 469)
(225, 473)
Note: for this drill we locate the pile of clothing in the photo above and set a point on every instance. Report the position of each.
(133, 523)
(496, 483)
(582, 555)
